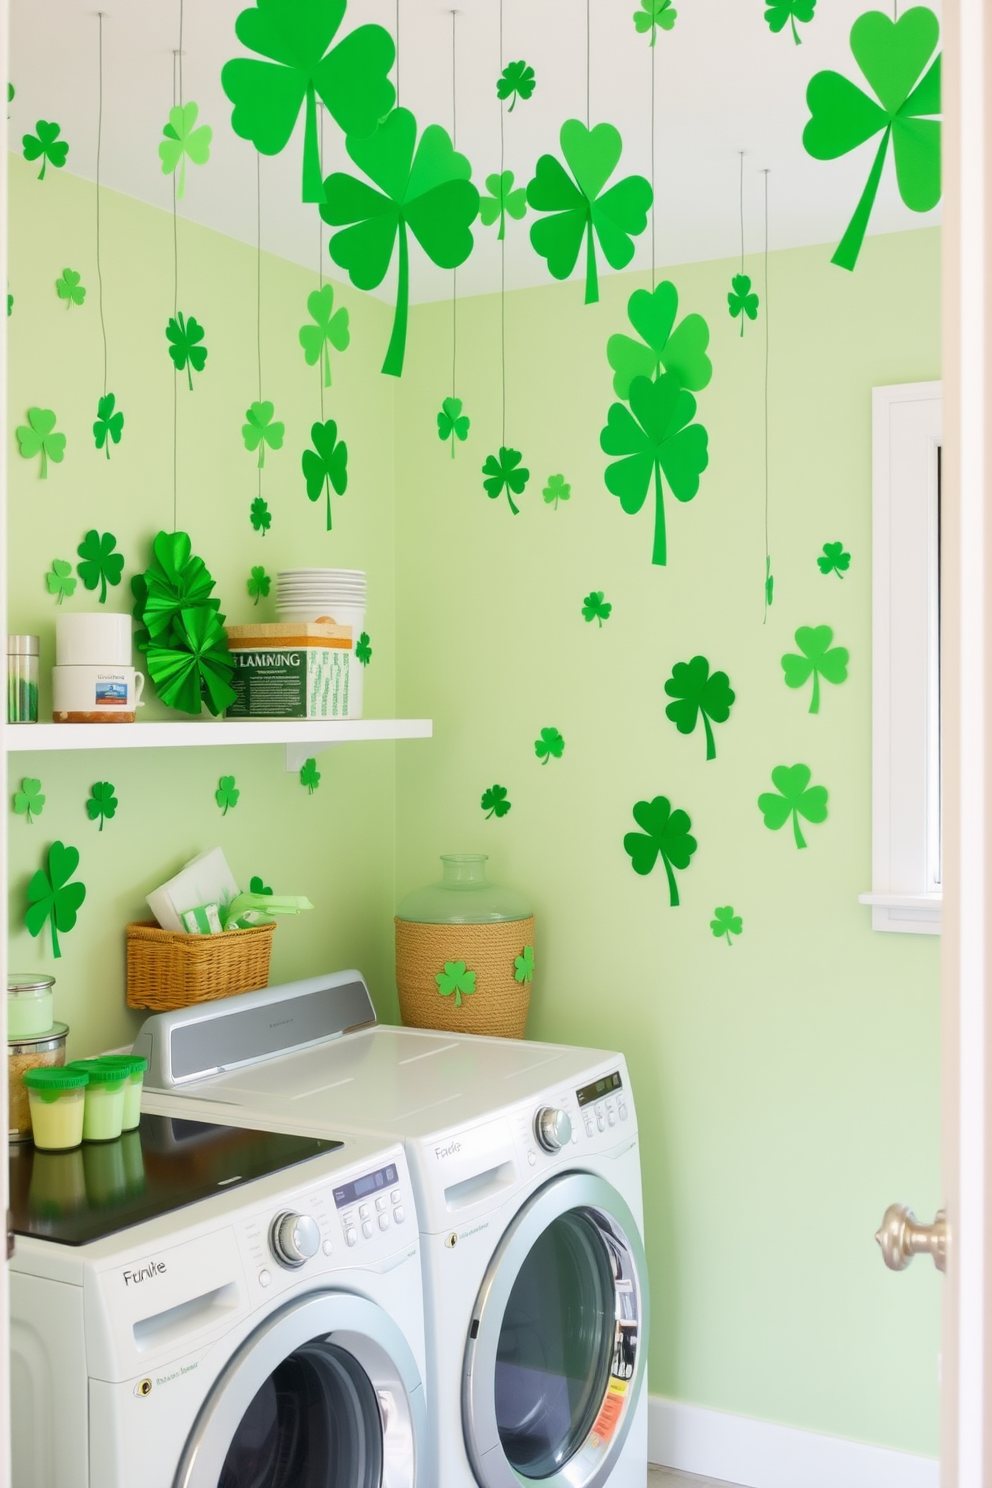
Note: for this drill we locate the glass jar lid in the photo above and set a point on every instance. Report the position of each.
(98, 1072)
(66, 1078)
(22, 1043)
(22, 981)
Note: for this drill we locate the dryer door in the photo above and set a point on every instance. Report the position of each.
(556, 1356)
(325, 1394)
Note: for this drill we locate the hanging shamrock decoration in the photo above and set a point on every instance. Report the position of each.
(452, 423)
(655, 13)
(664, 834)
(352, 79)
(330, 328)
(893, 56)
(109, 425)
(69, 288)
(325, 465)
(678, 349)
(60, 581)
(101, 565)
(38, 437)
(505, 473)
(184, 140)
(45, 146)
(580, 208)
(502, 199)
(741, 300)
(185, 350)
(516, 81)
(780, 11)
(52, 898)
(259, 584)
(183, 636)
(259, 430)
(261, 517)
(102, 805)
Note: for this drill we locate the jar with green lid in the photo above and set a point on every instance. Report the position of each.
(104, 1100)
(58, 1106)
(29, 1005)
(133, 1066)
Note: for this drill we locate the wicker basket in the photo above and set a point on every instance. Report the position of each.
(499, 1004)
(169, 969)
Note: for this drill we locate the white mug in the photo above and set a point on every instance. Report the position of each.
(100, 639)
(96, 694)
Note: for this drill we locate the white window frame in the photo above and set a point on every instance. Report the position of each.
(907, 429)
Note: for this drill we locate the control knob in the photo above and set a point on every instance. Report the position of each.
(295, 1238)
(552, 1128)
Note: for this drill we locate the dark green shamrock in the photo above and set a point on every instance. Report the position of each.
(505, 472)
(654, 435)
(556, 490)
(185, 350)
(452, 423)
(310, 775)
(665, 834)
(261, 517)
(352, 79)
(455, 978)
(363, 649)
(652, 14)
(184, 140)
(259, 584)
(227, 793)
(38, 437)
(52, 899)
(60, 581)
(893, 56)
(28, 801)
(699, 692)
(769, 582)
(502, 199)
(109, 425)
(494, 802)
(834, 560)
(516, 81)
(258, 886)
(780, 11)
(260, 430)
(594, 608)
(46, 146)
(69, 288)
(793, 796)
(741, 300)
(102, 803)
(329, 328)
(725, 923)
(818, 660)
(680, 350)
(524, 965)
(580, 208)
(326, 465)
(425, 187)
(101, 565)
(549, 745)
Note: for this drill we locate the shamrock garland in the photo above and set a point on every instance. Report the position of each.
(183, 632)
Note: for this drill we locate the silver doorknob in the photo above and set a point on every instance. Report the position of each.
(901, 1238)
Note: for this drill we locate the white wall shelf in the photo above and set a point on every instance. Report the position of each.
(302, 738)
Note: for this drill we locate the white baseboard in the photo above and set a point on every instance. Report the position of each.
(761, 1454)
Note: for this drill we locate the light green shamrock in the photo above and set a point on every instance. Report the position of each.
(455, 979)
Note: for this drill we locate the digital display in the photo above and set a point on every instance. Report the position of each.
(370, 1183)
(599, 1088)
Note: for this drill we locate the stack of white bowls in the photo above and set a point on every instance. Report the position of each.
(306, 595)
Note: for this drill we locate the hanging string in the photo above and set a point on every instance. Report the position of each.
(454, 272)
(258, 283)
(502, 246)
(654, 194)
(175, 310)
(320, 247)
(397, 53)
(588, 61)
(742, 210)
(768, 560)
(99, 151)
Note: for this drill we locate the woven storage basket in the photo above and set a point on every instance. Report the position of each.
(499, 1004)
(169, 969)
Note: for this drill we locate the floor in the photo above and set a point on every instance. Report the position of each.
(663, 1477)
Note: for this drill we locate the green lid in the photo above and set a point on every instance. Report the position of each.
(49, 1078)
(99, 1073)
(128, 1064)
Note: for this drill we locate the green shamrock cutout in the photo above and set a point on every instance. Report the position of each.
(680, 350)
(580, 208)
(259, 584)
(524, 965)
(101, 565)
(425, 187)
(352, 80)
(502, 199)
(549, 745)
(310, 775)
(654, 435)
(780, 11)
(725, 923)
(258, 886)
(769, 582)
(193, 666)
(326, 465)
(652, 14)
(61, 581)
(69, 288)
(505, 472)
(52, 898)
(102, 803)
(227, 793)
(330, 328)
(38, 437)
(261, 517)
(795, 797)
(452, 423)
(664, 834)
(28, 801)
(259, 430)
(818, 660)
(455, 978)
(698, 692)
(109, 425)
(556, 490)
(594, 608)
(185, 350)
(10, 304)
(363, 650)
(494, 802)
(893, 56)
(184, 140)
(516, 81)
(740, 299)
(834, 560)
(45, 146)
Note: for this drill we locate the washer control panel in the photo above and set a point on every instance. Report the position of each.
(602, 1104)
(370, 1205)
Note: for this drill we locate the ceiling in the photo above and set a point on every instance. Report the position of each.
(723, 84)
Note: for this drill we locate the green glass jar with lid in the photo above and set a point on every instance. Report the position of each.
(465, 952)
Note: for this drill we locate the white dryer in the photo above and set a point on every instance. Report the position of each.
(188, 1311)
(525, 1164)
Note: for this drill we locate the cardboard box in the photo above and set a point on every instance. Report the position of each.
(290, 671)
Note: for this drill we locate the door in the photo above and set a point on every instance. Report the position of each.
(325, 1394)
(555, 1361)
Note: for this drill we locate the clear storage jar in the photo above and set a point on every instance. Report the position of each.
(23, 667)
(104, 1115)
(58, 1103)
(44, 1051)
(29, 1005)
(132, 1067)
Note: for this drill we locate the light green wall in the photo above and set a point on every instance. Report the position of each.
(764, 1072)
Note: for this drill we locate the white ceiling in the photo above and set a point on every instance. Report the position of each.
(724, 83)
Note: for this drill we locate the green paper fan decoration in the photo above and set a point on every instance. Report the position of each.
(818, 659)
(793, 798)
(452, 423)
(502, 199)
(664, 834)
(494, 802)
(741, 299)
(425, 190)
(29, 801)
(595, 607)
(70, 289)
(699, 693)
(550, 745)
(895, 58)
(556, 490)
(102, 804)
(259, 584)
(45, 146)
(834, 560)
(52, 898)
(325, 465)
(261, 429)
(457, 979)
(504, 472)
(517, 80)
(725, 924)
(351, 80)
(679, 349)
(310, 776)
(109, 423)
(183, 635)
(579, 208)
(184, 336)
(184, 140)
(61, 581)
(101, 565)
(261, 517)
(38, 437)
(363, 649)
(654, 436)
(654, 14)
(329, 328)
(781, 11)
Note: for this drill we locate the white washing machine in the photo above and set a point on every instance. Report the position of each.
(525, 1165)
(161, 1338)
